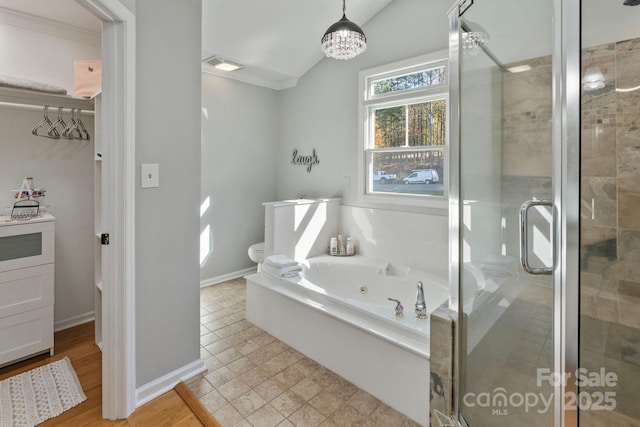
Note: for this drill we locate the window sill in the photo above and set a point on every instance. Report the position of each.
(436, 206)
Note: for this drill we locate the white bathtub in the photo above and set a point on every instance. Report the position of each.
(338, 314)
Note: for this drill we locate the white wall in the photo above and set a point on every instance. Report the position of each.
(239, 137)
(168, 45)
(321, 112)
(406, 238)
(41, 50)
(44, 51)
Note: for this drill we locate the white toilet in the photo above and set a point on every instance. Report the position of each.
(256, 254)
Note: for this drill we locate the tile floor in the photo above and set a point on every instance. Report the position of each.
(253, 379)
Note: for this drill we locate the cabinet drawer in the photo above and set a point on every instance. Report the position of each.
(26, 334)
(26, 289)
(26, 244)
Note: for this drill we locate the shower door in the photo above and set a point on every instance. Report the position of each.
(504, 208)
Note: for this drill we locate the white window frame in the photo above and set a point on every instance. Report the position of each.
(369, 102)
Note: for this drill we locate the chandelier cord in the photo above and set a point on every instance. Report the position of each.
(344, 7)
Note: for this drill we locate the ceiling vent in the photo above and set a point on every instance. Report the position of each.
(222, 64)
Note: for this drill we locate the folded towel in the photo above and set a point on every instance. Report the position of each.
(282, 273)
(19, 83)
(280, 261)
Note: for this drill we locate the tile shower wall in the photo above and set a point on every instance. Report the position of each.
(610, 228)
(526, 150)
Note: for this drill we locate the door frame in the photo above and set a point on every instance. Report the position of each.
(118, 192)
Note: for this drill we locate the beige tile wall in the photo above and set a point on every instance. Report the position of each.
(610, 228)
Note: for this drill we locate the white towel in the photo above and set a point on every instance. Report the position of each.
(280, 261)
(282, 273)
(19, 83)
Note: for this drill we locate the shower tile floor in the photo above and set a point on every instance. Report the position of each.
(253, 379)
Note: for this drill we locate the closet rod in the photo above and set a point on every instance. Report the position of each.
(39, 108)
(15, 96)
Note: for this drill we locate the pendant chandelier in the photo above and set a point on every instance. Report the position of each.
(344, 39)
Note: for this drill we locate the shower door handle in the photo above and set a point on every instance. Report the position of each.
(524, 237)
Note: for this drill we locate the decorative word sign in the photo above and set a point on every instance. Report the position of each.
(307, 161)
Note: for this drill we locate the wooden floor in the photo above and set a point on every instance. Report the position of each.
(78, 343)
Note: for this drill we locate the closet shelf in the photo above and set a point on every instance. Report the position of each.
(40, 99)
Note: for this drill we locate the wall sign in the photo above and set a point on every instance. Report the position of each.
(307, 161)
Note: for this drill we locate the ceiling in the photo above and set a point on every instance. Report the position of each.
(277, 40)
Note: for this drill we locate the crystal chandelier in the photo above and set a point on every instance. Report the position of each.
(473, 41)
(344, 39)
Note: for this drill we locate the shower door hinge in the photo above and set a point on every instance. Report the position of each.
(104, 238)
(463, 6)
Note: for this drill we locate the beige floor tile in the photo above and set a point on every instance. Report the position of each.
(208, 338)
(200, 387)
(342, 388)
(212, 364)
(326, 402)
(287, 403)
(220, 376)
(286, 423)
(307, 388)
(247, 348)
(307, 366)
(307, 416)
(227, 416)
(290, 376)
(229, 355)
(346, 416)
(219, 346)
(269, 389)
(255, 376)
(213, 401)
(263, 339)
(266, 416)
(279, 363)
(233, 389)
(204, 354)
(241, 366)
(215, 324)
(248, 403)
(387, 416)
(363, 402)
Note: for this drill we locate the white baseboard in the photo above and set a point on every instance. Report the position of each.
(74, 321)
(165, 383)
(229, 276)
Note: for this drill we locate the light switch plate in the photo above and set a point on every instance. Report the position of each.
(149, 174)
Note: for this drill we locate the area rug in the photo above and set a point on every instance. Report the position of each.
(33, 397)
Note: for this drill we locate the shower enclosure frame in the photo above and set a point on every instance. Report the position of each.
(566, 198)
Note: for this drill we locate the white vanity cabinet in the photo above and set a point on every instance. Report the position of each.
(26, 287)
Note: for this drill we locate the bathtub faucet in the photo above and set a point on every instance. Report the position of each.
(399, 308)
(421, 307)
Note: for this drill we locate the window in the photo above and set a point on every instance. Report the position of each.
(404, 143)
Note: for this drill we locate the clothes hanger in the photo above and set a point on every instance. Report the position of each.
(51, 132)
(59, 122)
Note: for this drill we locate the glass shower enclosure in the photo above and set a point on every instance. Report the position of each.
(545, 212)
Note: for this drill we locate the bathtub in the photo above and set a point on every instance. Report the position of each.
(337, 313)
